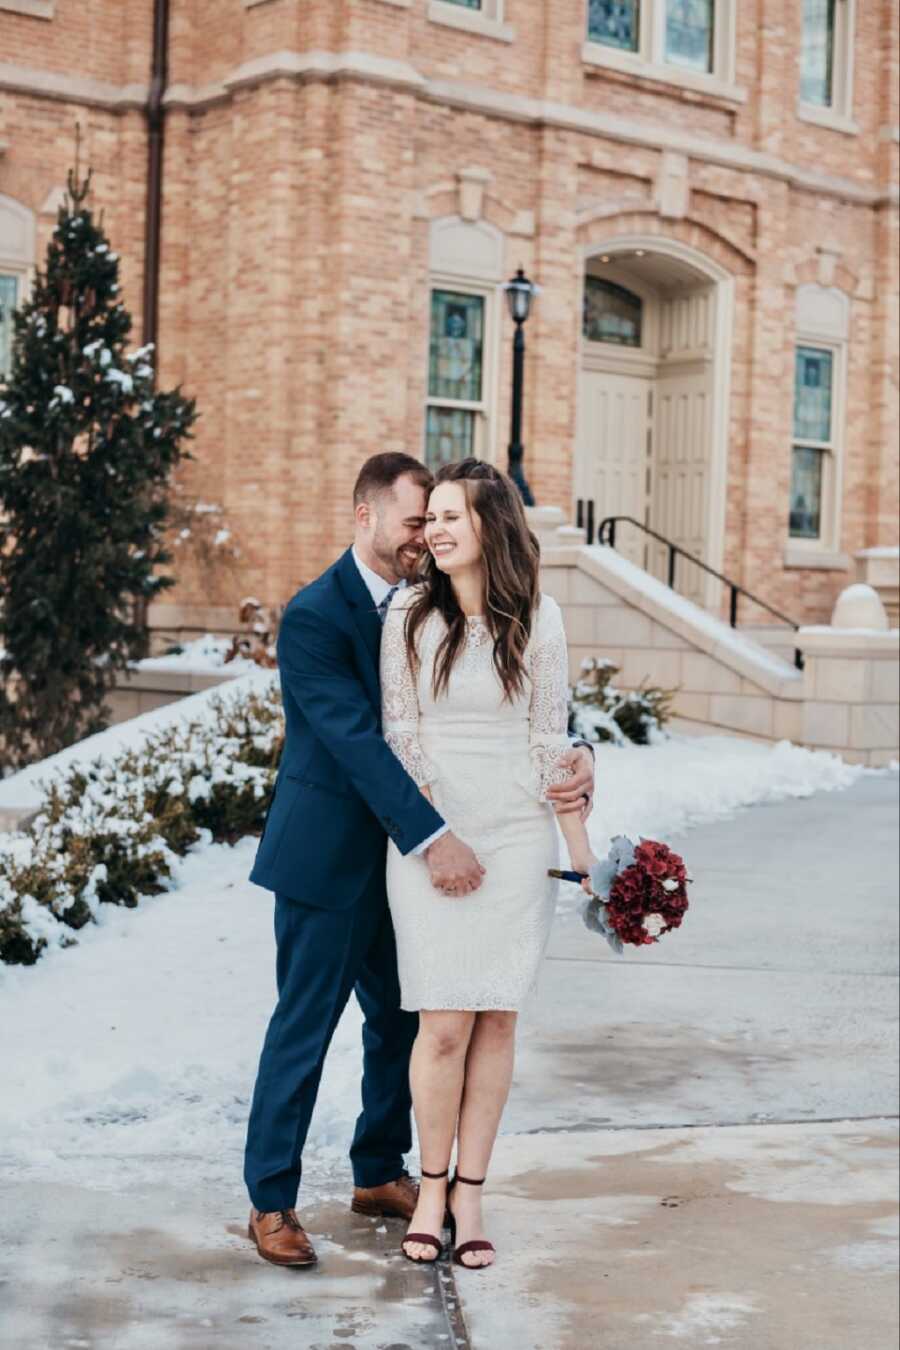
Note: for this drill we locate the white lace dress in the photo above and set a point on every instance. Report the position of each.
(488, 763)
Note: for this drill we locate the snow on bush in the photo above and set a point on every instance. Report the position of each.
(601, 712)
(112, 831)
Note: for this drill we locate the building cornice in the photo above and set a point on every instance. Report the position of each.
(367, 68)
(54, 84)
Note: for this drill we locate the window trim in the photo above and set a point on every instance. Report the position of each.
(487, 22)
(838, 115)
(649, 61)
(485, 429)
(811, 552)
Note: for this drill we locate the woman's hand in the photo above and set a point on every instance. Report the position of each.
(582, 860)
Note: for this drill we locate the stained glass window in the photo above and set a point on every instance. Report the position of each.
(817, 52)
(8, 296)
(611, 313)
(813, 385)
(812, 394)
(457, 343)
(614, 23)
(449, 436)
(806, 493)
(689, 33)
(455, 375)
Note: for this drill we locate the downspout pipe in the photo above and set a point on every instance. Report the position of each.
(159, 77)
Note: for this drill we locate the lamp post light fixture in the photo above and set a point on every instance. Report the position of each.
(520, 293)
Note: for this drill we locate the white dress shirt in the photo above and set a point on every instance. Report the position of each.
(378, 588)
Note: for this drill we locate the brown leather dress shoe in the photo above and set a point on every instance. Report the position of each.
(280, 1238)
(394, 1200)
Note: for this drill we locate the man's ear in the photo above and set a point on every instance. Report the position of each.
(363, 514)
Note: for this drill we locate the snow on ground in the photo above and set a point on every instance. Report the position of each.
(142, 1042)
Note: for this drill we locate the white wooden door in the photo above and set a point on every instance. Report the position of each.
(678, 507)
(612, 451)
(682, 436)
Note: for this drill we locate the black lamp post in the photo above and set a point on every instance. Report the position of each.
(519, 294)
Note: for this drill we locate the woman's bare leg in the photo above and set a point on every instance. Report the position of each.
(436, 1075)
(488, 1075)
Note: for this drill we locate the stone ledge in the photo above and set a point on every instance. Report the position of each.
(176, 682)
(819, 640)
(34, 9)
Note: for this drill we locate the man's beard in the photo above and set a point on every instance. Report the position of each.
(402, 562)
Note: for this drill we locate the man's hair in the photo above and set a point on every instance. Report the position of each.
(380, 473)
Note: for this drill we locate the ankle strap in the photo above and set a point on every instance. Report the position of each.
(435, 1176)
(468, 1180)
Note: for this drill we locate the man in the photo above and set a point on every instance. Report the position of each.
(340, 793)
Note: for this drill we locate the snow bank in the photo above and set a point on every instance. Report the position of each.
(22, 790)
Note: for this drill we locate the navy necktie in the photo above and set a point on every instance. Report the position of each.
(386, 603)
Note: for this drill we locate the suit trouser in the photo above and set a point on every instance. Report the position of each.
(322, 956)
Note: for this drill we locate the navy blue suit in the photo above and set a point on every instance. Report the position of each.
(340, 792)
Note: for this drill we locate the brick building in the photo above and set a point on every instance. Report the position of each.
(705, 191)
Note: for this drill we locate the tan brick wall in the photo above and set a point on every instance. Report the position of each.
(294, 278)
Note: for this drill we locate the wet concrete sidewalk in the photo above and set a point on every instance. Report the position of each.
(700, 1150)
(701, 1147)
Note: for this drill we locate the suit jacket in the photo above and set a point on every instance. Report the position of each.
(340, 791)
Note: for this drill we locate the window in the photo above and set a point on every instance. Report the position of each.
(826, 63)
(9, 288)
(685, 42)
(611, 313)
(817, 52)
(813, 424)
(614, 23)
(484, 17)
(689, 34)
(456, 376)
(822, 324)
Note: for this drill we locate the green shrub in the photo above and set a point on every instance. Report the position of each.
(601, 712)
(113, 831)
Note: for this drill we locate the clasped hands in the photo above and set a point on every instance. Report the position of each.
(453, 866)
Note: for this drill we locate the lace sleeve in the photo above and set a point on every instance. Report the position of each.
(400, 699)
(549, 714)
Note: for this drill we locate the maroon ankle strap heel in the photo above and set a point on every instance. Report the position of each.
(426, 1239)
(477, 1244)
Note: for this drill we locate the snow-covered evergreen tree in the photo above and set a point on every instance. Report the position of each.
(87, 447)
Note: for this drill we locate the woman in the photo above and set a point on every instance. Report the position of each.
(475, 704)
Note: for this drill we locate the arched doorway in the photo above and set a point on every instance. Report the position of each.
(651, 435)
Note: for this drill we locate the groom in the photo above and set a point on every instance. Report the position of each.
(340, 793)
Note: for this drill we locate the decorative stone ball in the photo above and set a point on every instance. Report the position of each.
(860, 606)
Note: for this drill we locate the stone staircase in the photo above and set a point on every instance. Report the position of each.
(844, 700)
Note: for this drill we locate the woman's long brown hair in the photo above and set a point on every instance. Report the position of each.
(510, 558)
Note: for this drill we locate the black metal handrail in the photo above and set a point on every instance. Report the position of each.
(606, 534)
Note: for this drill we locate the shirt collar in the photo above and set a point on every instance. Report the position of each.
(377, 587)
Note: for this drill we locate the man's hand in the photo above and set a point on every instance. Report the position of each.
(577, 792)
(453, 866)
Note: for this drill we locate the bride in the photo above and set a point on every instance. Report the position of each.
(475, 705)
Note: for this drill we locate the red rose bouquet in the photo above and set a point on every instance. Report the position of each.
(639, 893)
